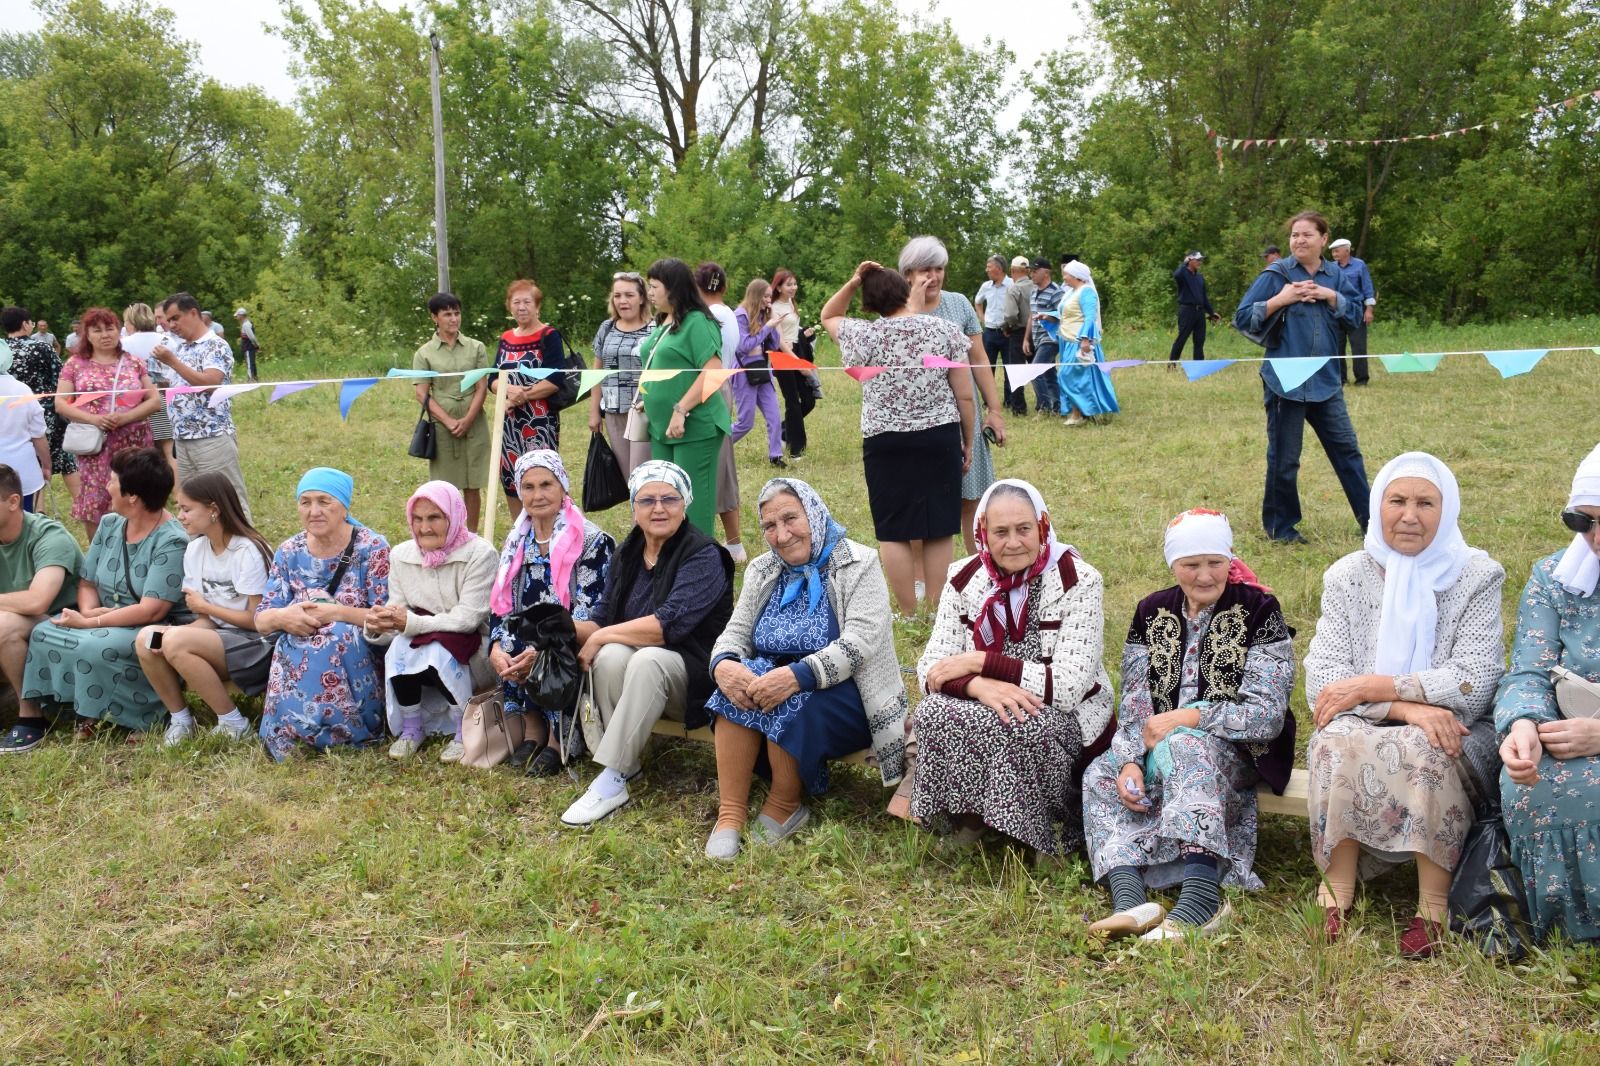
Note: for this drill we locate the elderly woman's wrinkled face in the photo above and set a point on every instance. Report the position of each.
(1202, 578)
(541, 493)
(1014, 532)
(524, 308)
(659, 509)
(320, 514)
(430, 527)
(1410, 514)
(932, 277)
(783, 523)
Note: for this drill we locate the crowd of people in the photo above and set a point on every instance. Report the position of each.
(1418, 727)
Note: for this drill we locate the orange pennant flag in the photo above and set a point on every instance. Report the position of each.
(785, 361)
(712, 381)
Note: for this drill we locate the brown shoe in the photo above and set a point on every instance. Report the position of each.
(1422, 939)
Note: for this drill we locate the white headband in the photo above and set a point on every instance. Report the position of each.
(1198, 532)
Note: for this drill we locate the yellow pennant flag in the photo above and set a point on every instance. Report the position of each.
(712, 381)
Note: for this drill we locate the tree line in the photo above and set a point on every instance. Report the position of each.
(588, 135)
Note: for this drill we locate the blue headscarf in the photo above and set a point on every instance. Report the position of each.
(825, 534)
(335, 483)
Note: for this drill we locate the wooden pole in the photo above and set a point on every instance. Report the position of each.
(441, 249)
(496, 435)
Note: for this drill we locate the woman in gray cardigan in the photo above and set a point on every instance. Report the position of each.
(806, 669)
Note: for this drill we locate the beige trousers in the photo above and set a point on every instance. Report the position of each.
(633, 688)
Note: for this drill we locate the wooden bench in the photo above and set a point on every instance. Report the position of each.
(1292, 802)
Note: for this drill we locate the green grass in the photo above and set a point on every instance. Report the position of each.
(204, 906)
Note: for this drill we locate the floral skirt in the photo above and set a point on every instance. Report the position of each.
(1554, 826)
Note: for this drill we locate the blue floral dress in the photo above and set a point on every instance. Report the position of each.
(1554, 824)
(324, 689)
(814, 725)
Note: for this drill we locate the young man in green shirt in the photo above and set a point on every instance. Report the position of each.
(40, 564)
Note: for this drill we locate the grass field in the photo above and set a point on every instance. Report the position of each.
(201, 905)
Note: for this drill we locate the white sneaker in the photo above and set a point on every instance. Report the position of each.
(177, 733)
(453, 751)
(231, 730)
(740, 556)
(921, 590)
(591, 808)
(1131, 922)
(403, 748)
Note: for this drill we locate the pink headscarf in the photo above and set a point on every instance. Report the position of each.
(447, 498)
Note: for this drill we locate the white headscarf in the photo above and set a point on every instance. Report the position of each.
(1080, 270)
(1198, 532)
(1412, 583)
(1579, 569)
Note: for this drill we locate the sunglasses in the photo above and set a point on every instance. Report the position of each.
(626, 275)
(1579, 522)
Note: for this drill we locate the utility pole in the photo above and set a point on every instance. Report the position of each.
(441, 236)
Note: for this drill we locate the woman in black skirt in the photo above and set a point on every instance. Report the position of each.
(916, 422)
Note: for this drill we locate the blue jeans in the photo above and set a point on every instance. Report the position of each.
(1046, 392)
(1286, 422)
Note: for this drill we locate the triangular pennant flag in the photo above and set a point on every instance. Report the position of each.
(1018, 376)
(712, 381)
(289, 388)
(1510, 364)
(940, 362)
(20, 400)
(659, 374)
(867, 373)
(1292, 373)
(539, 373)
(785, 361)
(472, 377)
(407, 372)
(349, 389)
(228, 392)
(1119, 364)
(588, 379)
(1196, 369)
(1407, 363)
(184, 390)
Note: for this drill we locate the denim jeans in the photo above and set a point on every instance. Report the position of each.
(1046, 392)
(1286, 422)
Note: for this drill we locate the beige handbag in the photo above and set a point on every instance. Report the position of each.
(588, 714)
(1576, 697)
(483, 731)
(637, 428)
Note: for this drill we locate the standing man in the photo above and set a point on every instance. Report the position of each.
(1194, 307)
(41, 329)
(39, 569)
(1018, 310)
(991, 306)
(203, 435)
(1040, 343)
(247, 343)
(461, 451)
(71, 343)
(1355, 272)
(1271, 255)
(212, 324)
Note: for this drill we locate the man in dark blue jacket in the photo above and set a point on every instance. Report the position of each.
(1194, 307)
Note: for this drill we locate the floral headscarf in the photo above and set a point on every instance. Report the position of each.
(566, 538)
(826, 533)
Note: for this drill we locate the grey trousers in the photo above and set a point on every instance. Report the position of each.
(205, 454)
(633, 688)
(629, 453)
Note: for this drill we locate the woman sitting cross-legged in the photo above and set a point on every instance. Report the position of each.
(1206, 676)
(132, 577)
(1400, 678)
(1018, 698)
(668, 597)
(435, 622)
(806, 668)
(224, 578)
(323, 690)
(553, 555)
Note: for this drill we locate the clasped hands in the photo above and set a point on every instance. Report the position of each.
(1565, 738)
(747, 691)
(512, 667)
(1012, 703)
(306, 617)
(1443, 730)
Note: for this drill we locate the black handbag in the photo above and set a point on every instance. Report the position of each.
(1486, 901)
(555, 677)
(423, 443)
(604, 484)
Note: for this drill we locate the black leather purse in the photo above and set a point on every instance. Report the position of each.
(423, 444)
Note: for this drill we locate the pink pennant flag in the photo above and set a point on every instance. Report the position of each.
(712, 381)
(940, 362)
(864, 373)
(20, 400)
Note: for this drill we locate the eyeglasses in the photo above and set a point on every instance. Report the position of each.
(1579, 522)
(649, 502)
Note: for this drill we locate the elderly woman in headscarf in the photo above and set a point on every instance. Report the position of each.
(553, 555)
(1206, 676)
(323, 689)
(668, 597)
(1086, 391)
(435, 622)
(1548, 712)
(1018, 698)
(806, 669)
(1400, 678)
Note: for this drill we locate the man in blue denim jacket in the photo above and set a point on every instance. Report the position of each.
(1318, 307)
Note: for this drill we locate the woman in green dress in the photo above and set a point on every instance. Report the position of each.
(686, 427)
(132, 577)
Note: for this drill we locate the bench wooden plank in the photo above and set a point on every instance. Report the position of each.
(665, 727)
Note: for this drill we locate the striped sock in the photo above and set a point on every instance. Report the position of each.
(1127, 887)
(1201, 896)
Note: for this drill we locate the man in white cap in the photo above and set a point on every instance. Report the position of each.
(1194, 307)
(1360, 280)
(248, 345)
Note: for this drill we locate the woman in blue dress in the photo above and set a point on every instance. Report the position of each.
(1086, 391)
(806, 669)
(323, 689)
(1550, 789)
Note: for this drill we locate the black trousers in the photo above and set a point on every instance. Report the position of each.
(798, 402)
(1356, 340)
(1191, 320)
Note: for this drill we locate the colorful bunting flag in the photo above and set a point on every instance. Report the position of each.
(1018, 376)
(289, 388)
(939, 362)
(1195, 369)
(1407, 363)
(472, 377)
(1292, 373)
(1117, 364)
(867, 373)
(712, 381)
(349, 389)
(785, 361)
(659, 374)
(1510, 364)
(407, 372)
(228, 392)
(588, 379)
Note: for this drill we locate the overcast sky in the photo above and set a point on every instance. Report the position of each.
(237, 49)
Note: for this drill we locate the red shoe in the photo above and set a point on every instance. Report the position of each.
(1333, 922)
(1422, 939)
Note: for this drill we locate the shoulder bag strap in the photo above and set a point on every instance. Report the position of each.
(127, 566)
(332, 587)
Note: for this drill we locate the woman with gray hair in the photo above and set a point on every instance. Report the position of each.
(922, 262)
